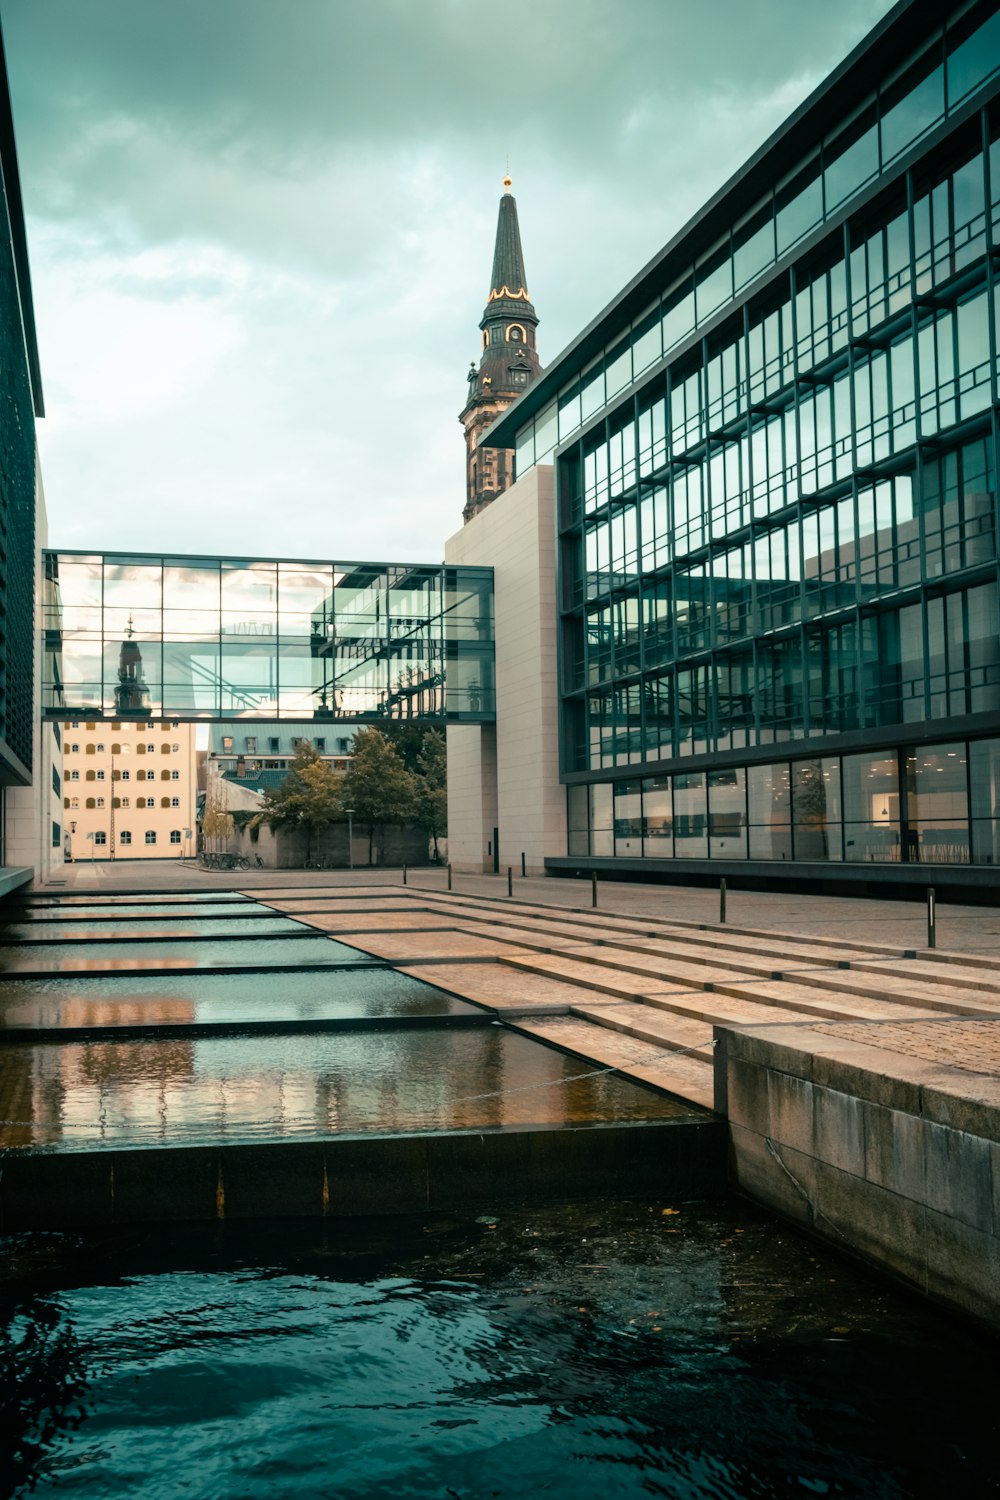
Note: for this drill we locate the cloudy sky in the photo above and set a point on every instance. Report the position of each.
(261, 233)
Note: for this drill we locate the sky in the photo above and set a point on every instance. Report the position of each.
(261, 234)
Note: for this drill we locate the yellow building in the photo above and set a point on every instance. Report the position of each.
(129, 789)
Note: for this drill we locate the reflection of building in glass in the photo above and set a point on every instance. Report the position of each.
(263, 640)
(129, 785)
(131, 694)
(770, 548)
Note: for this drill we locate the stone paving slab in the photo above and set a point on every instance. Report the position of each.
(402, 947)
(688, 1077)
(503, 989)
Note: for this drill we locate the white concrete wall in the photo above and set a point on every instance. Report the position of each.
(472, 795)
(516, 536)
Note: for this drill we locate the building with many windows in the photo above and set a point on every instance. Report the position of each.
(763, 487)
(129, 788)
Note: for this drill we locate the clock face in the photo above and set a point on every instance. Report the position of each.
(515, 335)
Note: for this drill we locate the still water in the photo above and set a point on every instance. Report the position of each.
(167, 927)
(625, 1350)
(205, 953)
(110, 1093)
(56, 1002)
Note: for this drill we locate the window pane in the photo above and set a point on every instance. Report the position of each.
(816, 809)
(659, 818)
(727, 814)
(690, 816)
(937, 805)
(871, 808)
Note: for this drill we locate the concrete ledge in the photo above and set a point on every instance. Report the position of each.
(891, 1155)
(359, 1176)
(13, 877)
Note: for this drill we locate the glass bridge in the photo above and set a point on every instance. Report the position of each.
(187, 637)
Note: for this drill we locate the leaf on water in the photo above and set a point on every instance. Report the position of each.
(669, 1210)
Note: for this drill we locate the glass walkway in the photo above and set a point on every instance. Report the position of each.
(189, 637)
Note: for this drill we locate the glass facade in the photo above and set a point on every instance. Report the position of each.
(777, 496)
(936, 804)
(239, 638)
(950, 65)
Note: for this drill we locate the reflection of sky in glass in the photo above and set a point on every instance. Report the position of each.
(236, 638)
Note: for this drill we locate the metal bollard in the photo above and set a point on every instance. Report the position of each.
(449, 877)
(524, 870)
(722, 899)
(404, 874)
(931, 918)
(510, 881)
(593, 888)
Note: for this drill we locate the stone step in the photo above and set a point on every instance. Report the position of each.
(672, 1032)
(611, 981)
(889, 987)
(810, 1000)
(961, 976)
(687, 1078)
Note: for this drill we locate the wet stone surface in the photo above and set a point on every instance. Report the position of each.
(615, 1349)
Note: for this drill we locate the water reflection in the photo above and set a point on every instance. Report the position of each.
(77, 1095)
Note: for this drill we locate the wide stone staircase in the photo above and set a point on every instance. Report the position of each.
(640, 994)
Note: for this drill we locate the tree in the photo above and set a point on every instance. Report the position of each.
(378, 787)
(432, 788)
(216, 820)
(310, 797)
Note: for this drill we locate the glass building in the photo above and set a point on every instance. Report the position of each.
(265, 639)
(775, 457)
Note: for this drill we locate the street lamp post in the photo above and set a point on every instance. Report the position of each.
(350, 837)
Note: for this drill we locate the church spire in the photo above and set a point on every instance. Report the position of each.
(508, 363)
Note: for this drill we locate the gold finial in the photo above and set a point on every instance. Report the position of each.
(506, 175)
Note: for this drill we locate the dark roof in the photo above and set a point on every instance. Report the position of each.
(260, 781)
(894, 38)
(508, 257)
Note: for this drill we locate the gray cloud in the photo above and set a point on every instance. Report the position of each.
(312, 188)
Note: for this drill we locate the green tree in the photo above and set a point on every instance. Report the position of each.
(378, 787)
(310, 798)
(432, 787)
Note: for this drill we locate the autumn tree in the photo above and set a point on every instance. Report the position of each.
(309, 799)
(378, 787)
(216, 820)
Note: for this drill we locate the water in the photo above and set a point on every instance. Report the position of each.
(106, 958)
(618, 1350)
(101, 927)
(200, 999)
(110, 1093)
(144, 911)
(153, 898)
